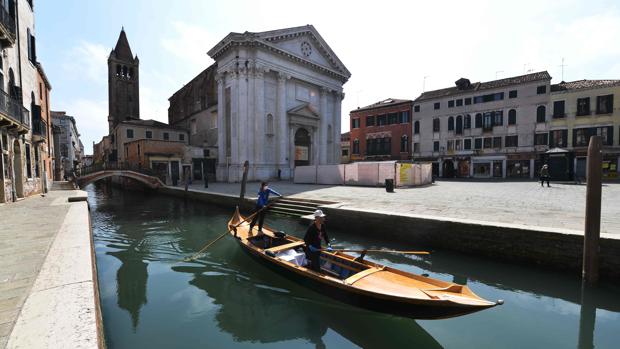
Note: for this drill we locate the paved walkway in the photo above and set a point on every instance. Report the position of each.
(560, 206)
(27, 231)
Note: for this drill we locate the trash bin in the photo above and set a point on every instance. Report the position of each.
(389, 185)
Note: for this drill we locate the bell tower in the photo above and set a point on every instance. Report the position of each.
(123, 83)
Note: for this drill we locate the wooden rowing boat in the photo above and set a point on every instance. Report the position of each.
(358, 282)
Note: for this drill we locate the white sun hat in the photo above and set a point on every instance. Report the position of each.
(318, 213)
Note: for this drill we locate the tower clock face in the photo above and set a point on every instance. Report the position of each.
(306, 49)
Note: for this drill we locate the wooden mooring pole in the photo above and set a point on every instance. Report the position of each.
(246, 166)
(593, 211)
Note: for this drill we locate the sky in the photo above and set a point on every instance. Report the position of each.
(393, 49)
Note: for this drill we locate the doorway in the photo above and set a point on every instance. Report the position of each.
(302, 147)
(17, 170)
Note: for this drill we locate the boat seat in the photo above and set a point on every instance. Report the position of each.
(285, 246)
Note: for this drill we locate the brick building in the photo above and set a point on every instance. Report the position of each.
(382, 131)
(163, 157)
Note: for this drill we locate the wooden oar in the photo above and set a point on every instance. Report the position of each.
(384, 251)
(202, 250)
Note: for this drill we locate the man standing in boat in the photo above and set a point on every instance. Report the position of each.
(316, 231)
(261, 202)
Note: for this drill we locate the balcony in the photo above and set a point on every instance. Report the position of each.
(39, 126)
(7, 27)
(13, 115)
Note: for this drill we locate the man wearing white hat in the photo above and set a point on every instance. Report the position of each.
(316, 231)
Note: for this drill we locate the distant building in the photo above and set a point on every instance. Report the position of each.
(345, 148)
(508, 128)
(279, 96)
(123, 83)
(382, 131)
(69, 150)
(42, 126)
(87, 160)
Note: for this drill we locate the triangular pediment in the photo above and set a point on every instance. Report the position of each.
(306, 43)
(304, 110)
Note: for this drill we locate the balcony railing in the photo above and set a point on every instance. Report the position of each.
(39, 128)
(7, 24)
(14, 110)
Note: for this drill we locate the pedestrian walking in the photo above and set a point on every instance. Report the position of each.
(544, 175)
(261, 202)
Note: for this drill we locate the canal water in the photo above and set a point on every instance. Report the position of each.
(150, 299)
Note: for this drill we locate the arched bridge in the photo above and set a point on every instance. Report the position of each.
(91, 174)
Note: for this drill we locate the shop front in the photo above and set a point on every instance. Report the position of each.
(519, 165)
(488, 166)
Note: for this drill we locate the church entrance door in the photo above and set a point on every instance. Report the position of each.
(302, 147)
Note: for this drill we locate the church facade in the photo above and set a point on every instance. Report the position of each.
(279, 97)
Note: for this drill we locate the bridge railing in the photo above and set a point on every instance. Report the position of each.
(123, 166)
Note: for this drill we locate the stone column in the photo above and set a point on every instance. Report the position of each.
(221, 128)
(242, 120)
(323, 121)
(291, 159)
(315, 146)
(532, 162)
(338, 97)
(253, 138)
(234, 166)
(259, 115)
(282, 121)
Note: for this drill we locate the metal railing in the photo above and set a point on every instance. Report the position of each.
(14, 109)
(39, 128)
(124, 166)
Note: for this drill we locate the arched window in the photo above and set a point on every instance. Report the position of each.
(467, 122)
(451, 123)
(540, 113)
(269, 125)
(11, 87)
(1, 74)
(32, 106)
(478, 120)
(130, 73)
(118, 70)
(124, 71)
(512, 117)
(436, 125)
(404, 144)
(356, 146)
(416, 127)
(459, 124)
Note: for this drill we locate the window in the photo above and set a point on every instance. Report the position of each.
(497, 142)
(181, 137)
(540, 113)
(558, 109)
(583, 106)
(416, 147)
(451, 123)
(458, 144)
(356, 146)
(541, 139)
(450, 145)
(541, 90)
(467, 122)
(166, 136)
(459, 125)
(28, 162)
(512, 141)
(478, 143)
(478, 120)
(605, 104)
(436, 125)
(498, 118)
(512, 94)
(355, 123)
(436, 146)
(512, 117)
(468, 101)
(404, 117)
(459, 102)
(381, 120)
(436, 106)
(416, 108)
(467, 144)
(345, 152)
(487, 121)
(581, 136)
(489, 98)
(149, 134)
(451, 104)
(416, 127)
(558, 138)
(37, 171)
(488, 142)
(32, 52)
(392, 118)
(404, 144)
(370, 121)
(129, 133)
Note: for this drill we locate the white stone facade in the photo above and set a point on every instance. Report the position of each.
(276, 89)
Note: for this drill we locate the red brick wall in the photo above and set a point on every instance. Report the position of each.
(397, 131)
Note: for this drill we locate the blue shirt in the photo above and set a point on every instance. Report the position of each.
(263, 196)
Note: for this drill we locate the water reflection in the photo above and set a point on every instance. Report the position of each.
(131, 279)
(253, 311)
